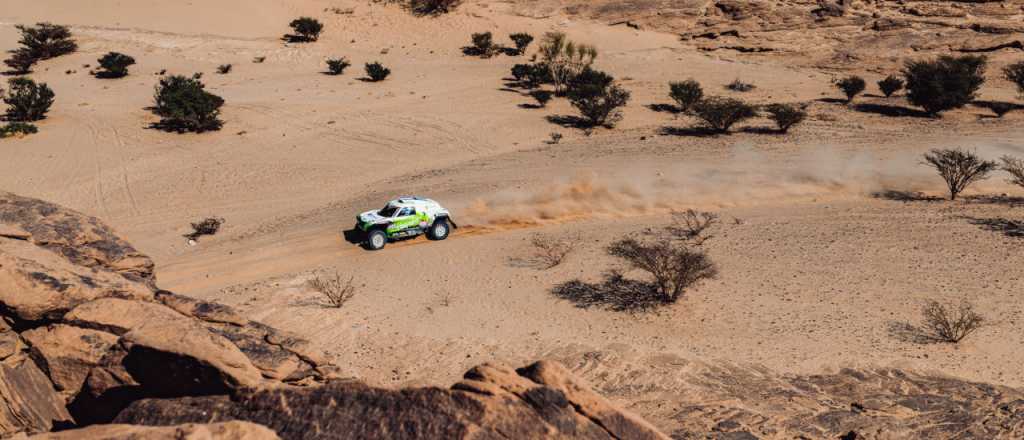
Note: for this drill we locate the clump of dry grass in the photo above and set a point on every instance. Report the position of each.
(336, 289)
(549, 252)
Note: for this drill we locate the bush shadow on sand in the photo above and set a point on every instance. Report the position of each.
(615, 293)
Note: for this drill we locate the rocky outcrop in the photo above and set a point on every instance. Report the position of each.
(215, 431)
(86, 332)
(542, 400)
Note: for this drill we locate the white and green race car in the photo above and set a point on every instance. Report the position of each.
(402, 218)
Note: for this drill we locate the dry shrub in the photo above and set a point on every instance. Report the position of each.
(958, 168)
(691, 225)
(673, 266)
(549, 252)
(947, 324)
(208, 226)
(1015, 167)
(334, 288)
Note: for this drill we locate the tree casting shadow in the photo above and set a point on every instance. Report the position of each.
(1010, 228)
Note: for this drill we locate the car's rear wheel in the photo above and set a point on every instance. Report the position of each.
(376, 240)
(439, 230)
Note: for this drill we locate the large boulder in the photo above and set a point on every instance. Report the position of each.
(215, 431)
(542, 400)
(67, 353)
(28, 402)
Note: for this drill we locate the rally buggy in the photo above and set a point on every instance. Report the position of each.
(404, 217)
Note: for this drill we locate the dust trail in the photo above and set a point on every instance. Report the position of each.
(746, 178)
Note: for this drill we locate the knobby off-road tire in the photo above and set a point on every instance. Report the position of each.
(439, 230)
(376, 240)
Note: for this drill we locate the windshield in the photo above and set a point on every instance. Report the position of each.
(388, 211)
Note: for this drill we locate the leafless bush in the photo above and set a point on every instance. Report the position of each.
(208, 226)
(334, 288)
(549, 252)
(958, 168)
(691, 225)
(1015, 167)
(674, 267)
(947, 324)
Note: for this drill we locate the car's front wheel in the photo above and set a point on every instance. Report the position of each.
(376, 240)
(439, 230)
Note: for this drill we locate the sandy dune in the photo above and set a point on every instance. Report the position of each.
(818, 271)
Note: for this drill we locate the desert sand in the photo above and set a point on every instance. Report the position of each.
(823, 256)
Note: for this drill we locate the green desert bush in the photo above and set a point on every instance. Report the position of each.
(185, 106)
(686, 94)
(114, 65)
(720, 114)
(785, 116)
(26, 100)
(377, 72)
(891, 84)
(40, 42)
(21, 61)
(337, 66)
(945, 83)
(17, 129)
(482, 45)
(597, 97)
(565, 59)
(851, 86)
(432, 7)
(306, 29)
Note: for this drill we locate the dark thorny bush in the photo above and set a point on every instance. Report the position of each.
(207, 226)
(522, 40)
(21, 61)
(951, 325)
(597, 97)
(958, 168)
(944, 83)
(337, 66)
(17, 128)
(674, 266)
(482, 45)
(785, 115)
(306, 29)
(719, 114)
(114, 65)
(45, 40)
(531, 75)
(377, 71)
(185, 106)
(1015, 74)
(432, 7)
(891, 84)
(1015, 167)
(685, 94)
(27, 101)
(740, 86)
(851, 86)
(224, 69)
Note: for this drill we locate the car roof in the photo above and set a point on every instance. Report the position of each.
(411, 201)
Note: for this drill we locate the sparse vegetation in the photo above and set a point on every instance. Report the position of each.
(40, 42)
(26, 100)
(185, 106)
(692, 225)
(521, 40)
(944, 83)
(482, 45)
(719, 114)
(531, 75)
(597, 97)
(851, 86)
(1015, 74)
(674, 267)
(951, 325)
(686, 94)
(739, 86)
(335, 289)
(114, 65)
(377, 72)
(224, 69)
(889, 85)
(306, 29)
(206, 226)
(555, 138)
(785, 116)
(17, 129)
(1015, 167)
(542, 97)
(337, 66)
(549, 252)
(565, 59)
(958, 168)
(432, 7)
